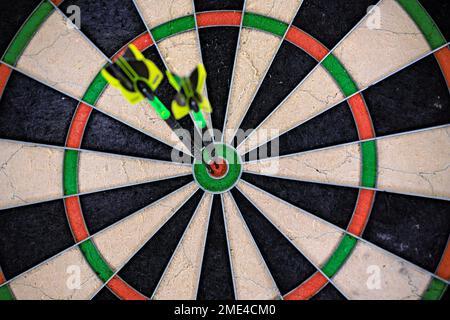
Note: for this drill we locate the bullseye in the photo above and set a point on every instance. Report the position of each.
(218, 167)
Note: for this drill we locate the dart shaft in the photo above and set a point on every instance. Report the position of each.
(160, 108)
(164, 113)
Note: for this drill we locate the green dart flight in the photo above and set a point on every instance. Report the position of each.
(137, 78)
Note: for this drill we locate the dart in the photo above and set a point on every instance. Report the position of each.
(138, 78)
(189, 97)
(191, 100)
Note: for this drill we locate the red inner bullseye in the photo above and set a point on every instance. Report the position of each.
(219, 168)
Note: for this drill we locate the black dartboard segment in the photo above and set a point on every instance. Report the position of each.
(216, 281)
(397, 105)
(33, 112)
(414, 228)
(219, 49)
(438, 11)
(32, 234)
(165, 91)
(329, 21)
(110, 24)
(201, 5)
(334, 204)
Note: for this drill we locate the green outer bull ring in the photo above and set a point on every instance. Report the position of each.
(229, 180)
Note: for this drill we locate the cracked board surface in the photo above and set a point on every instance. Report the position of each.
(97, 171)
(157, 12)
(50, 280)
(106, 134)
(216, 277)
(180, 52)
(123, 239)
(61, 57)
(283, 10)
(289, 266)
(180, 280)
(398, 280)
(251, 276)
(314, 238)
(415, 163)
(320, 199)
(253, 61)
(330, 22)
(330, 165)
(335, 126)
(29, 173)
(368, 54)
(304, 203)
(414, 228)
(102, 209)
(101, 171)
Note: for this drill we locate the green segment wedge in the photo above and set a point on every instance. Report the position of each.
(435, 290)
(5, 293)
(95, 89)
(173, 27)
(340, 75)
(96, 261)
(369, 164)
(70, 172)
(339, 256)
(256, 21)
(423, 20)
(27, 31)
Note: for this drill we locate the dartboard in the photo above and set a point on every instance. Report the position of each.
(332, 119)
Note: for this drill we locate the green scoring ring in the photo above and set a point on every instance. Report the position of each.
(219, 185)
